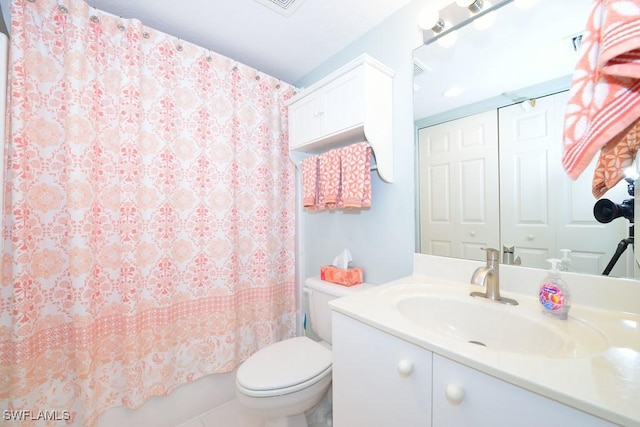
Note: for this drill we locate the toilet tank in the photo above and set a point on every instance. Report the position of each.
(319, 293)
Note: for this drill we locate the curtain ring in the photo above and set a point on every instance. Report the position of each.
(179, 48)
(94, 19)
(146, 35)
(31, 1)
(63, 8)
(121, 27)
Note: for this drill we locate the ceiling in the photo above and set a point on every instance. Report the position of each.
(287, 48)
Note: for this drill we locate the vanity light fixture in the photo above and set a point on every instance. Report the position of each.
(436, 25)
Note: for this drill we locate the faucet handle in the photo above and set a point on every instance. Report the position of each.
(492, 254)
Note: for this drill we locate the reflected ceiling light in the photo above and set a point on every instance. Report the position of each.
(485, 21)
(449, 39)
(474, 6)
(631, 172)
(429, 19)
(453, 91)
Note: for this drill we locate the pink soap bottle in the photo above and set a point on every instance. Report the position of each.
(554, 293)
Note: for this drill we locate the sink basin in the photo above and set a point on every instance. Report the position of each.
(497, 327)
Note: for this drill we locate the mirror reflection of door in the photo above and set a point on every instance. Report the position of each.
(458, 184)
(535, 206)
(547, 211)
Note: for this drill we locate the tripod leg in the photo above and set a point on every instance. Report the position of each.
(619, 250)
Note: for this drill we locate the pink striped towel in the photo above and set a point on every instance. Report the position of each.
(604, 101)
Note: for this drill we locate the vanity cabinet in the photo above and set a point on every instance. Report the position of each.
(352, 104)
(464, 397)
(380, 380)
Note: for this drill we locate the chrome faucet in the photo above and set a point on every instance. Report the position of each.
(489, 277)
(508, 255)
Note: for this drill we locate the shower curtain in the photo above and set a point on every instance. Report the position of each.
(149, 215)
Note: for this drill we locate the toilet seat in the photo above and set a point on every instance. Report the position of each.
(284, 367)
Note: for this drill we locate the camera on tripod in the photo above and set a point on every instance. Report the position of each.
(606, 211)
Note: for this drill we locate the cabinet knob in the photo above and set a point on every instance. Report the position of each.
(472, 233)
(405, 367)
(531, 237)
(318, 113)
(454, 393)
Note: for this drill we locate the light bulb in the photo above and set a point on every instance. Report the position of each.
(448, 40)
(485, 21)
(428, 18)
(474, 6)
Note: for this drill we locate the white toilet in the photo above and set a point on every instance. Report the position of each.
(284, 381)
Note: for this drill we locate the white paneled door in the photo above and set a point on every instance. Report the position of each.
(458, 184)
(542, 209)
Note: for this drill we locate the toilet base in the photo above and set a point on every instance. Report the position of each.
(294, 421)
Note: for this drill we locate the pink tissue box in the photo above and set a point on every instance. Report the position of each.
(346, 277)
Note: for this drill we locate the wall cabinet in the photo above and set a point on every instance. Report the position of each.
(351, 105)
(380, 380)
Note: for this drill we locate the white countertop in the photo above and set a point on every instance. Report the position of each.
(604, 382)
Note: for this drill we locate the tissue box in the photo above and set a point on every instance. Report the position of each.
(346, 277)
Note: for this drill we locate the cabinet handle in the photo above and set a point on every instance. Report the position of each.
(405, 367)
(454, 393)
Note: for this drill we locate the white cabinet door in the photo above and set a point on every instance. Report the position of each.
(378, 380)
(466, 397)
(305, 120)
(458, 184)
(344, 102)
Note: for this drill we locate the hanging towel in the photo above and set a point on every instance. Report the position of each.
(356, 176)
(309, 167)
(329, 179)
(605, 91)
(613, 160)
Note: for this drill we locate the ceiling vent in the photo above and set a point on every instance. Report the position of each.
(419, 67)
(283, 7)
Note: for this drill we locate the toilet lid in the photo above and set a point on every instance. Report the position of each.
(284, 364)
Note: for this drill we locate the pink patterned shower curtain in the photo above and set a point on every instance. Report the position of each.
(149, 215)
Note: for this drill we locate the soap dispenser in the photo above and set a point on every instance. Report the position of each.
(565, 261)
(554, 293)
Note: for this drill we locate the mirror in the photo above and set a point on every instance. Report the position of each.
(489, 159)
